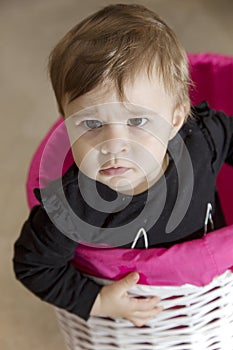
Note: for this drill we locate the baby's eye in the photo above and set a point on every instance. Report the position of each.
(92, 124)
(137, 121)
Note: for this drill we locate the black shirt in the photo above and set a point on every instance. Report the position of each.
(173, 210)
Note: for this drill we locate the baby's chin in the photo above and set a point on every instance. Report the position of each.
(118, 184)
(127, 187)
(124, 187)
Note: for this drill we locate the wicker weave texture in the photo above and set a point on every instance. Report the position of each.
(194, 318)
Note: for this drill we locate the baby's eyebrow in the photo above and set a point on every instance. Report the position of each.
(137, 110)
(131, 109)
(83, 113)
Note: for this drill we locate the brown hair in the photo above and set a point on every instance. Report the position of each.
(114, 44)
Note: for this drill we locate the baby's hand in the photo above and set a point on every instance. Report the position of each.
(114, 301)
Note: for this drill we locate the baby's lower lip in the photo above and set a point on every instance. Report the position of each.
(114, 171)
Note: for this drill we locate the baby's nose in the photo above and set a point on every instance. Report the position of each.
(116, 140)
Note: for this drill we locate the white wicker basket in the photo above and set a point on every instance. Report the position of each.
(194, 318)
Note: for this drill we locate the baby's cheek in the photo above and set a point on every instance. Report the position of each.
(153, 148)
(79, 153)
(86, 158)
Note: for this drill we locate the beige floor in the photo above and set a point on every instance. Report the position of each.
(28, 30)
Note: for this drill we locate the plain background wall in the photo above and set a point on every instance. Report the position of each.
(28, 31)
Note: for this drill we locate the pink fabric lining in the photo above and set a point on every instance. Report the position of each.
(45, 165)
(195, 262)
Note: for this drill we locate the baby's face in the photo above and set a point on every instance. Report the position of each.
(123, 144)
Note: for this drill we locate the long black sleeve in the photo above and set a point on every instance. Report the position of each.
(41, 262)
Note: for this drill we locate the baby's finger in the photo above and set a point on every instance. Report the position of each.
(149, 313)
(141, 318)
(139, 322)
(123, 285)
(145, 304)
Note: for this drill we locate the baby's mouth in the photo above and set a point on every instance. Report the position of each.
(114, 171)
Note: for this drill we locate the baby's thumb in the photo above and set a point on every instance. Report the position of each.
(127, 282)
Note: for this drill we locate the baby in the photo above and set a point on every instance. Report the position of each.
(144, 160)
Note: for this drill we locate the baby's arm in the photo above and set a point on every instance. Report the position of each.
(42, 263)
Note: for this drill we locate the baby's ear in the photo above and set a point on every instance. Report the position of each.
(179, 116)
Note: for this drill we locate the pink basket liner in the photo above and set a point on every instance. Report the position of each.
(196, 262)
